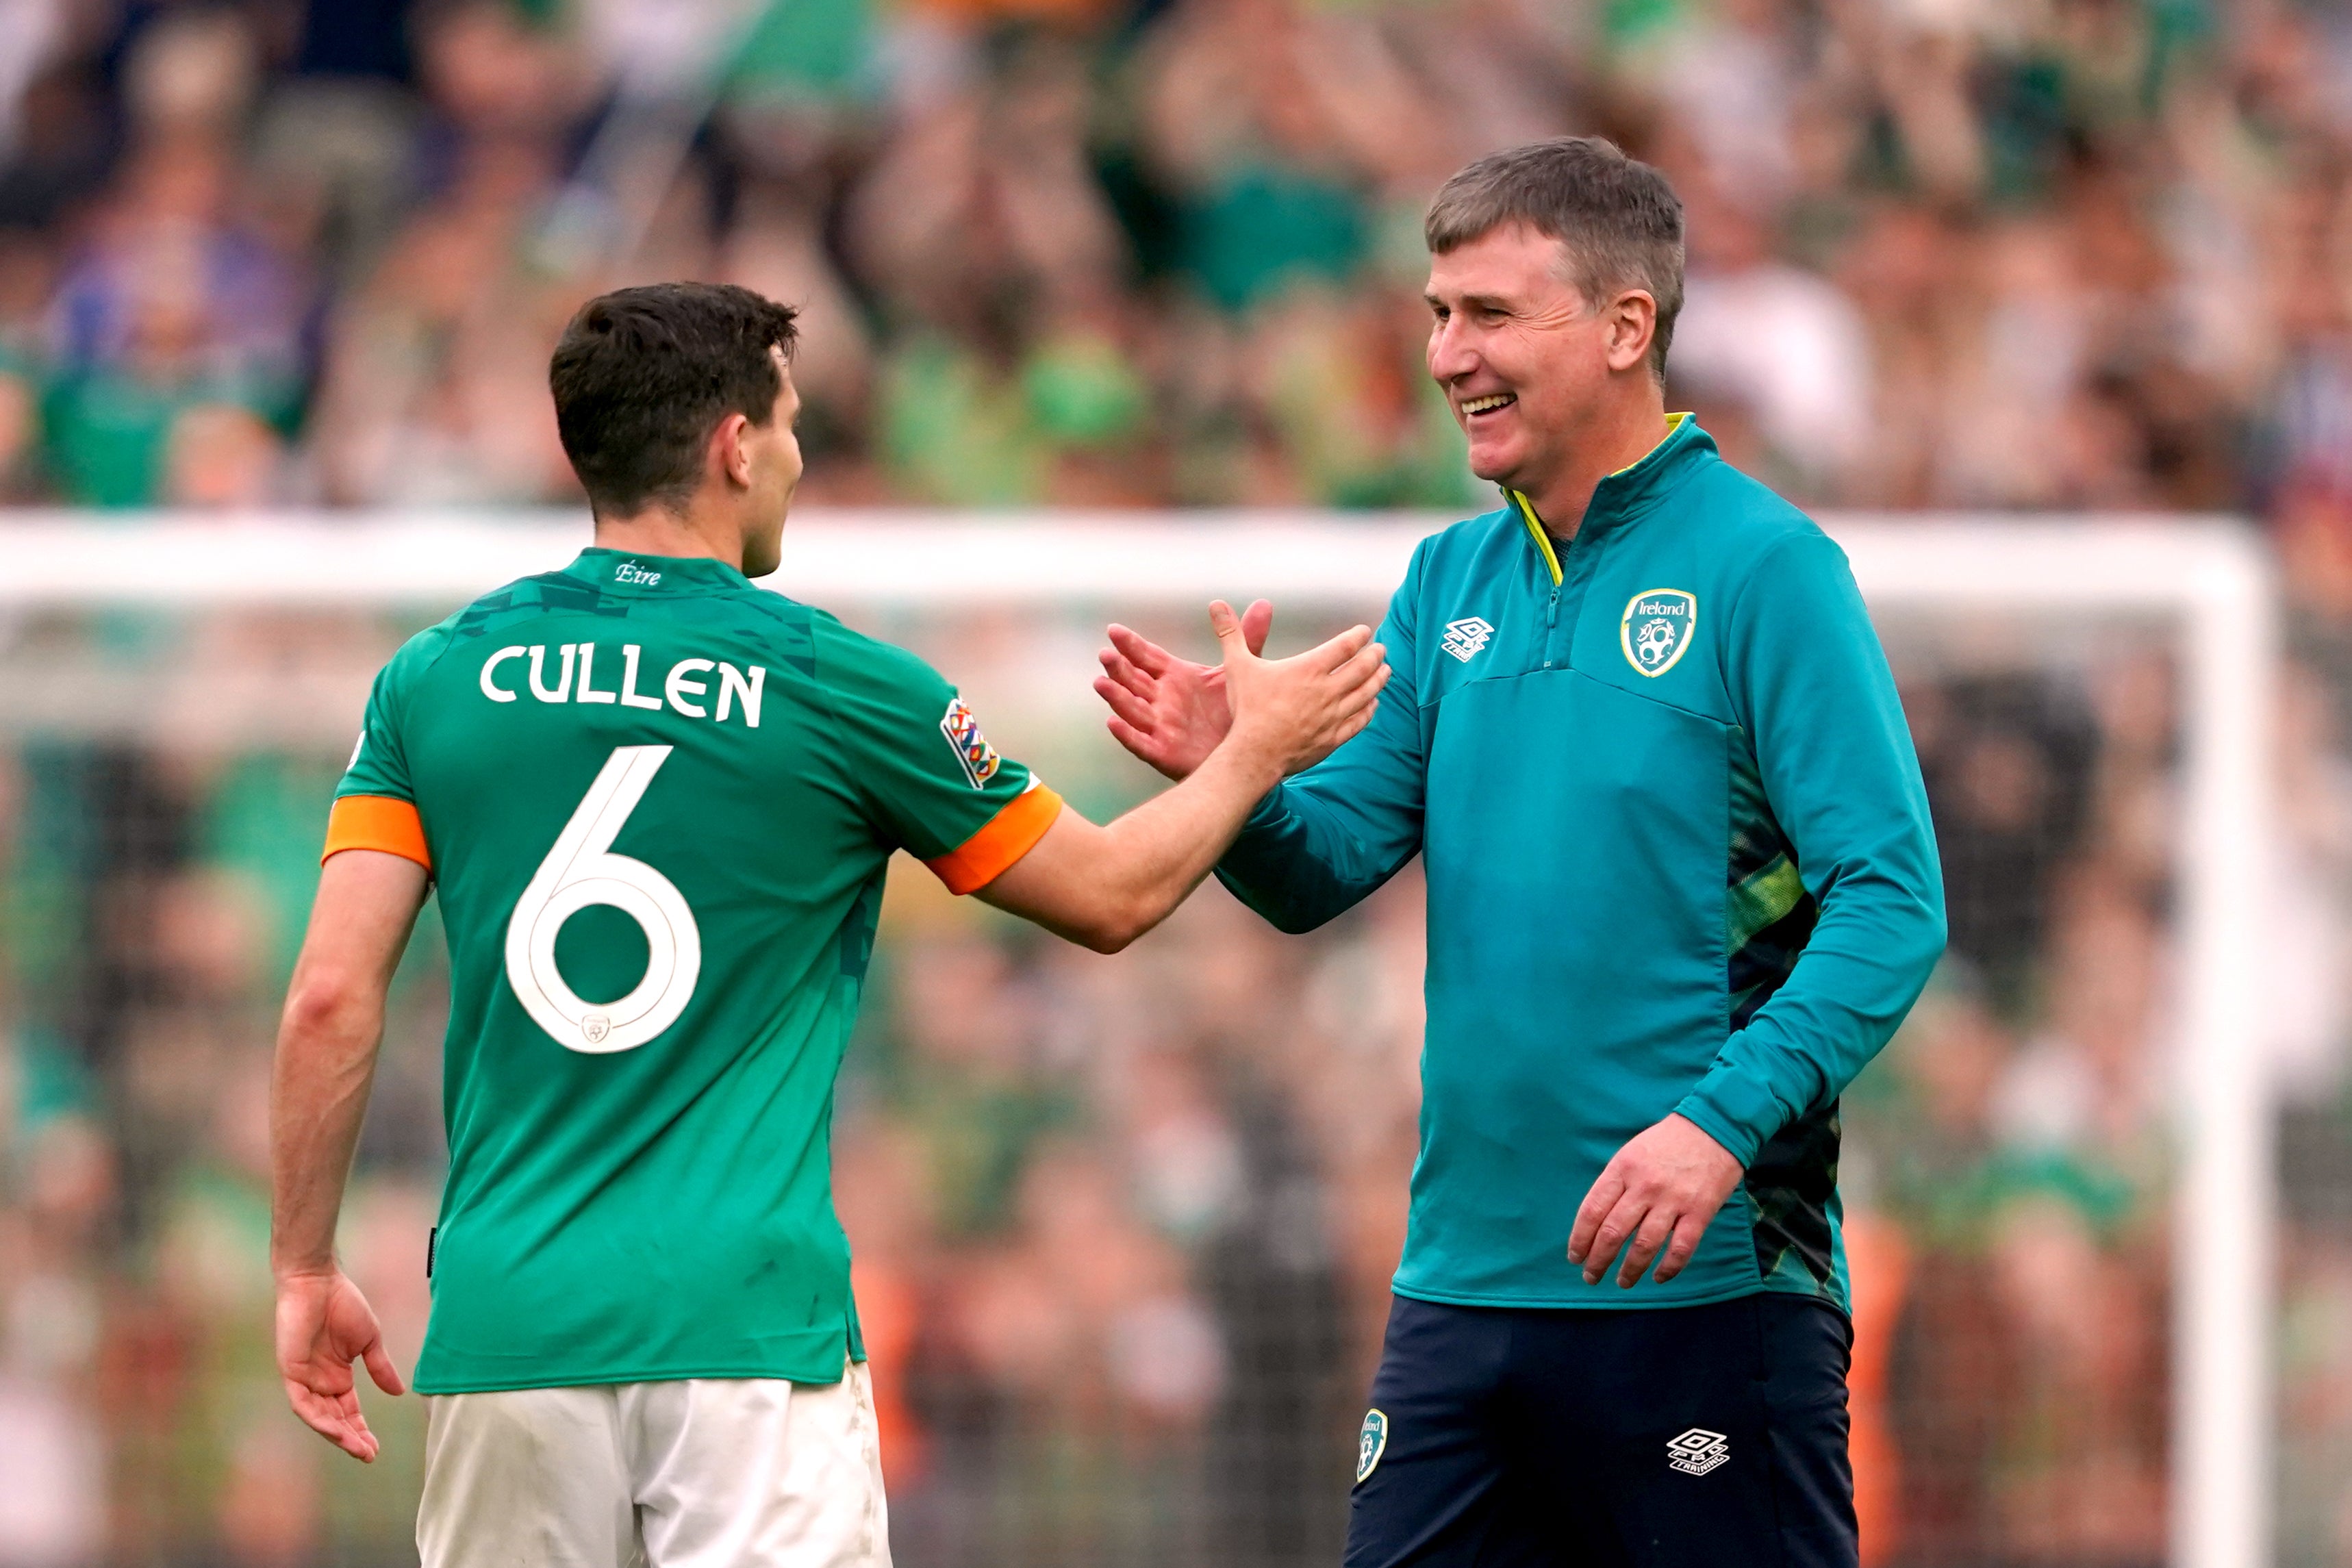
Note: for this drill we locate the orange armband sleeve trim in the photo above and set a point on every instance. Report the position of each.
(377, 822)
(1010, 834)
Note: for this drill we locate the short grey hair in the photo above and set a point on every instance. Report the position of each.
(1619, 220)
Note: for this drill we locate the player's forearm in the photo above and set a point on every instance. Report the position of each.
(1167, 846)
(366, 906)
(326, 1064)
(1104, 887)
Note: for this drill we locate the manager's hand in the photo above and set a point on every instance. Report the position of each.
(1169, 711)
(1660, 1191)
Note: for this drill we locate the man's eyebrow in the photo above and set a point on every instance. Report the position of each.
(1472, 301)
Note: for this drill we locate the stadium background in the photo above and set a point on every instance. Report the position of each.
(1124, 1225)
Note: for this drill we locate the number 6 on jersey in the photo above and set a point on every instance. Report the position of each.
(582, 871)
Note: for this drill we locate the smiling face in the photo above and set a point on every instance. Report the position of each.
(1527, 361)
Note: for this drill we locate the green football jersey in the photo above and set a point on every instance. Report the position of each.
(659, 803)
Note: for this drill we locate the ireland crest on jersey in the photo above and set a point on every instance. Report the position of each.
(1370, 1442)
(1657, 629)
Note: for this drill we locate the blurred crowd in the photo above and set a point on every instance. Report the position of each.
(1964, 253)
(1124, 1225)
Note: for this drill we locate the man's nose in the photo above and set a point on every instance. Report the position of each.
(1450, 356)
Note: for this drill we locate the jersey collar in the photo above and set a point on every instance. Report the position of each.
(635, 572)
(1624, 495)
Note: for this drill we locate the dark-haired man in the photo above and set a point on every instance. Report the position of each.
(657, 803)
(1682, 885)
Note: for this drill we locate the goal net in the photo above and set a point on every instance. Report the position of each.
(1124, 1225)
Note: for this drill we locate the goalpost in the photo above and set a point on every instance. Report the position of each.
(2213, 583)
(2206, 581)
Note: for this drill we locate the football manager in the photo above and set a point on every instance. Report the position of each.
(1682, 886)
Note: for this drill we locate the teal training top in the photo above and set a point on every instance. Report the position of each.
(1678, 856)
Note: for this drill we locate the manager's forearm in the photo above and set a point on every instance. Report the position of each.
(1869, 957)
(1294, 870)
(318, 1091)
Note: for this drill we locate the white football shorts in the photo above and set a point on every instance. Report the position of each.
(699, 1473)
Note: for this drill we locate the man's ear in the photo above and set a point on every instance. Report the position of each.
(728, 455)
(1632, 322)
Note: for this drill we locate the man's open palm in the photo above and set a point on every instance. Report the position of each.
(323, 1325)
(1169, 711)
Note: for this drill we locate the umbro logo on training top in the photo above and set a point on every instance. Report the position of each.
(1465, 638)
(1697, 1451)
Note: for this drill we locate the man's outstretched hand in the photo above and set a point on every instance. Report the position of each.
(1291, 713)
(1169, 711)
(1659, 1192)
(323, 1325)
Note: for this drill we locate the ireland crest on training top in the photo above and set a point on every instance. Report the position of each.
(1658, 626)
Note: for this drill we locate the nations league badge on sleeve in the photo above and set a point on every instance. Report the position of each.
(972, 752)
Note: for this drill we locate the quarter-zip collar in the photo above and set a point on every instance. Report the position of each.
(1525, 512)
(1625, 495)
(634, 574)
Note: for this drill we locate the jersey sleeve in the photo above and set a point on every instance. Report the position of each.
(1326, 839)
(376, 806)
(1810, 685)
(924, 771)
